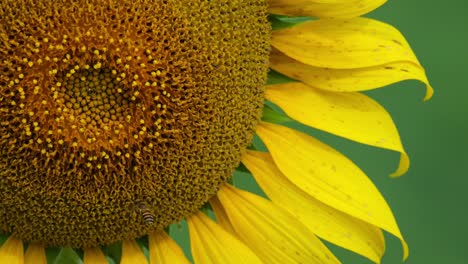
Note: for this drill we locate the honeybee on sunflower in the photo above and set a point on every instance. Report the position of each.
(105, 102)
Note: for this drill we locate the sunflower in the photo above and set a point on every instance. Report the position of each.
(119, 118)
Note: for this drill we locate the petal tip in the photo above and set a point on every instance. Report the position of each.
(429, 92)
(403, 167)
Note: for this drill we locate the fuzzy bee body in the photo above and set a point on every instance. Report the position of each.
(146, 213)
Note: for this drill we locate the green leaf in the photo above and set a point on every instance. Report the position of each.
(68, 256)
(241, 168)
(144, 245)
(275, 77)
(110, 260)
(280, 22)
(52, 253)
(113, 251)
(273, 116)
(3, 238)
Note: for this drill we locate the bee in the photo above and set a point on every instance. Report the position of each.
(145, 212)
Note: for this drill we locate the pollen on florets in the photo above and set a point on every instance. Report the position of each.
(106, 103)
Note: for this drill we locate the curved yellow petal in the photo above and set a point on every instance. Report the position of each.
(350, 115)
(274, 234)
(221, 216)
(132, 253)
(326, 222)
(35, 254)
(328, 176)
(211, 244)
(324, 9)
(94, 256)
(343, 44)
(349, 80)
(164, 250)
(11, 251)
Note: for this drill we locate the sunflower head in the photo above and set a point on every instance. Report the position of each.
(113, 109)
(119, 118)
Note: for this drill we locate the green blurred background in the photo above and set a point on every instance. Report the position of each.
(429, 202)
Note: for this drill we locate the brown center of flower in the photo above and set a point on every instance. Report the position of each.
(120, 117)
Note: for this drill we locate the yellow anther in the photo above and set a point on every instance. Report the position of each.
(97, 65)
(60, 141)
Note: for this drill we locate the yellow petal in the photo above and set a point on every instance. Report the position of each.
(326, 222)
(211, 244)
(328, 176)
(94, 256)
(221, 216)
(272, 233)
(343, 44)
(350, 115)
(164, 250)
(132, 253)
(324, 9)
(35, 254)
(349, 80)
(11, 251)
